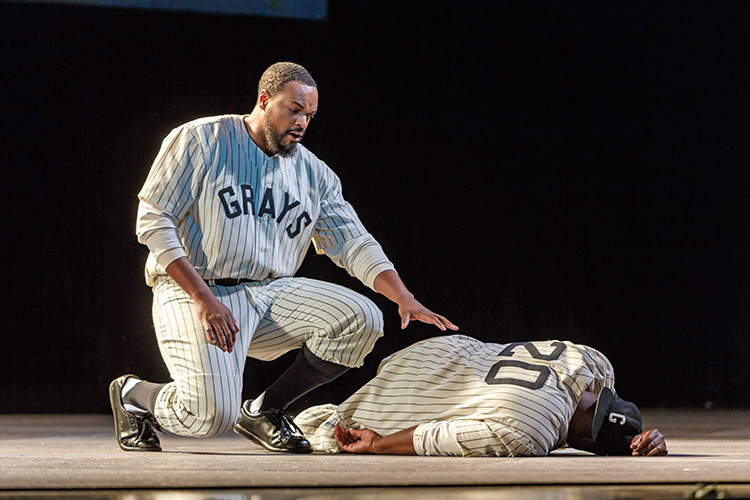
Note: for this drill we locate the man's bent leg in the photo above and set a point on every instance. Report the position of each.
(335, 327)
(336, 324)
(206, 393)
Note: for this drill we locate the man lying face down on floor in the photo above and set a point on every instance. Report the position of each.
(458, 396)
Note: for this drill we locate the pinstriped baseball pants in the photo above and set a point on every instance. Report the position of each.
(274, 316)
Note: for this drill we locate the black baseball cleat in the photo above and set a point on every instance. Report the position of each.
(273, 429)
(134, 432)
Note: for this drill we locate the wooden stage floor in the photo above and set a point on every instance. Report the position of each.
(76, 456)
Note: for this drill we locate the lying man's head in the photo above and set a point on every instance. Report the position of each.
(604, 424)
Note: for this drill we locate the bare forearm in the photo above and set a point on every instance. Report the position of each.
(400, 443)
(369, 441)
(389, 283)
(185, 275)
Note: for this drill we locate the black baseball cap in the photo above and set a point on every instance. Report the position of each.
(616, 422)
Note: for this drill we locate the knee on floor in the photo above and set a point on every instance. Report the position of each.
(212, 420)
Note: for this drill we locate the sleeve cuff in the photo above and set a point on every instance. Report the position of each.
(166, 258)
(437, 438)
(362, 257)
(165, 245)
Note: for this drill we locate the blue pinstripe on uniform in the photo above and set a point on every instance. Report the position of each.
(241, 214)
(444, 379)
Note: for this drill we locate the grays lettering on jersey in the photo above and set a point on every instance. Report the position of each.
(500, 399)
(257, 214)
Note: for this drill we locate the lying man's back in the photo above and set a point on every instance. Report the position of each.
(469, 398)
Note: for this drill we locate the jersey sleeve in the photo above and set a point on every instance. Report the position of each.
(165, 245)
(340, 235)
(437, 438)
(174, 181)
(487, 438)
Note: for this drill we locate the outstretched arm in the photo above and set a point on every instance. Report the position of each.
(367, 441)
(650, 443)
(389, 284)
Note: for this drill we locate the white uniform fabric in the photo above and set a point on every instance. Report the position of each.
(212, 195)
(241, 214)
(437, 438)
(501, 399)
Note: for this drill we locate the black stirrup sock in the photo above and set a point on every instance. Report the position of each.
(306, 373)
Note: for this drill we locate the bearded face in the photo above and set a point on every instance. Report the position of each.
(286, 117)
(280, 143)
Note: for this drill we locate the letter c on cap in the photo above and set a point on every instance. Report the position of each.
(617, 418)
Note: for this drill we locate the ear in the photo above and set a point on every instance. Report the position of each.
(263, 99)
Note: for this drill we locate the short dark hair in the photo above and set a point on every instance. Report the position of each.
(280, 73)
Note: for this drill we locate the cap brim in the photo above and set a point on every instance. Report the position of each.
(600, 412)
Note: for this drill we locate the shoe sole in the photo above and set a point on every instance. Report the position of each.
(113, 395)
(252, 437)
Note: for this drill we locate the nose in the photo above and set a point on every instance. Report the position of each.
(302, 122)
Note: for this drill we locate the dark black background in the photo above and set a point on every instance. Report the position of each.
(535, 170)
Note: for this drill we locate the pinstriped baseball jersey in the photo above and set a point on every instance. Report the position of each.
(505, 399)
(241, 214)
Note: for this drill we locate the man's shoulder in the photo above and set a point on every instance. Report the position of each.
(444, 344)
(212, 121)
(306, 161)
(211, 131)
